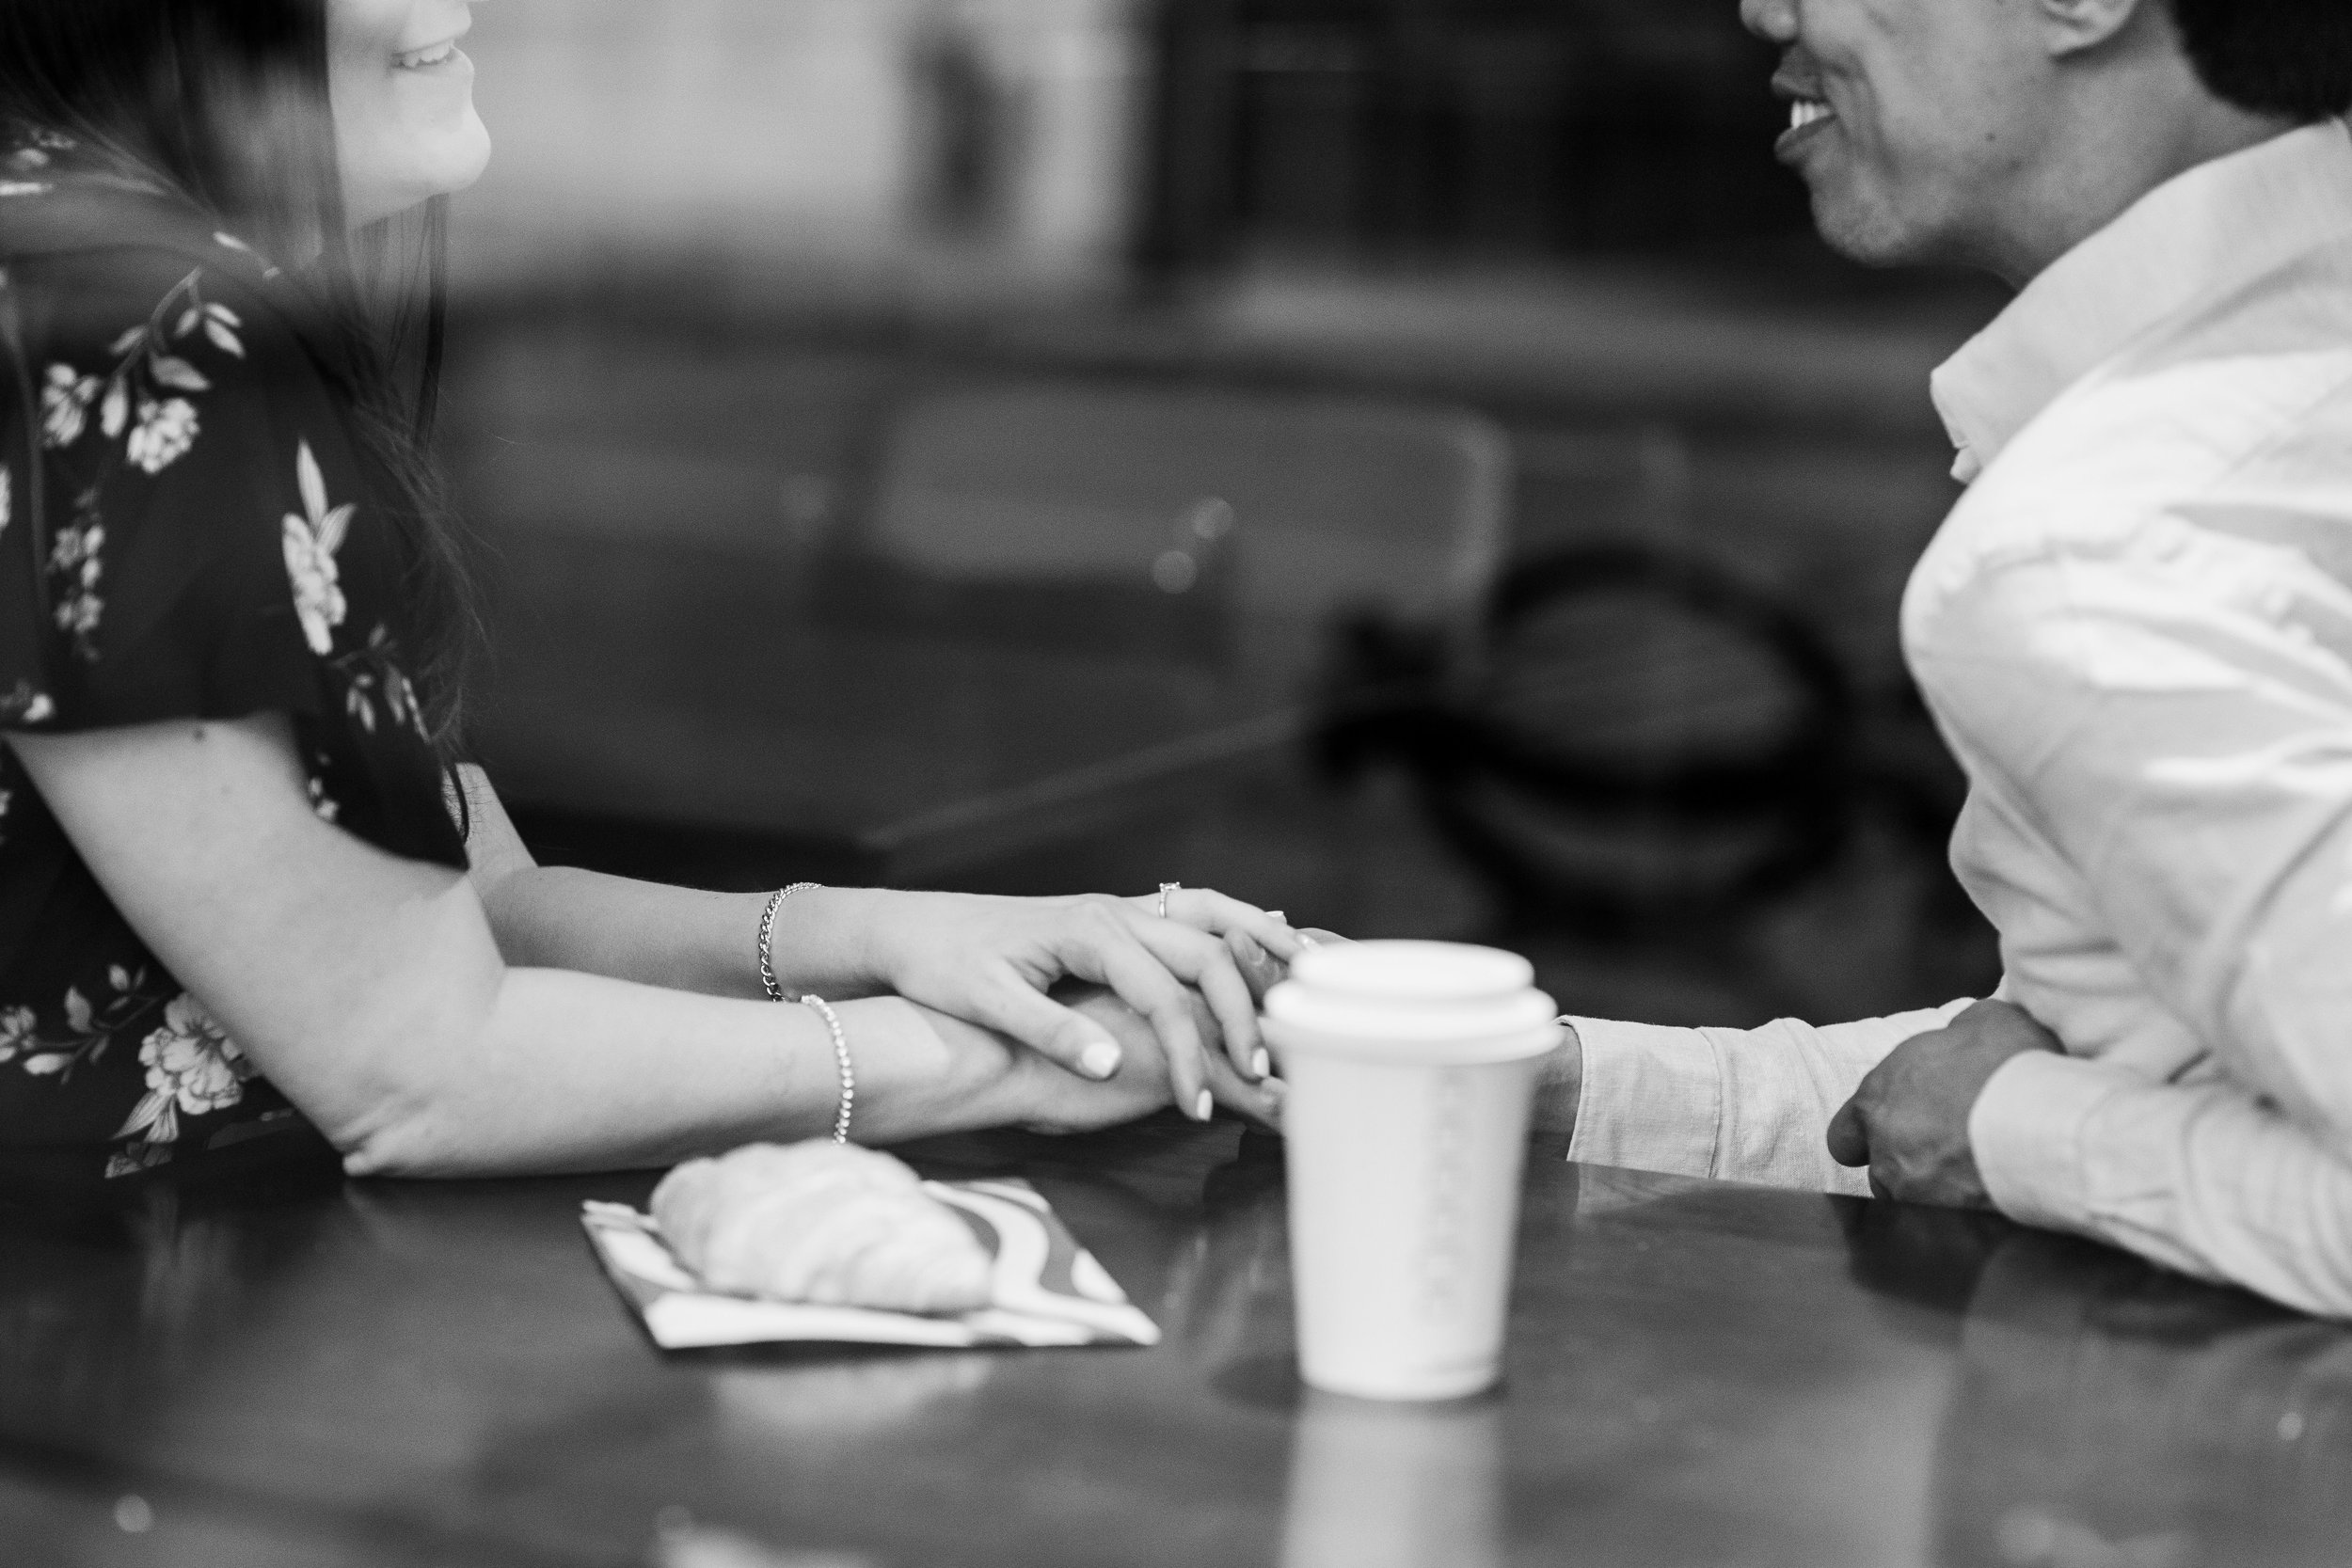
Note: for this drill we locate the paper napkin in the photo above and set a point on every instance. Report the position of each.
(1044, 1288)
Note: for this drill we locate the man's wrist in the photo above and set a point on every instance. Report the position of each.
(2025, 1133)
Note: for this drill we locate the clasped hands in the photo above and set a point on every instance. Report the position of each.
(1908, 1122)
(1111, 1007)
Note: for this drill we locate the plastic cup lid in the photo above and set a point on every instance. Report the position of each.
(1412, 971)
(1427, 1002)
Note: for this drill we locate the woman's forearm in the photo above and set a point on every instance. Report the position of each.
(681, 939)
(572, 1073)
(556, 917)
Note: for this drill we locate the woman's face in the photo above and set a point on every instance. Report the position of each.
(402, 91)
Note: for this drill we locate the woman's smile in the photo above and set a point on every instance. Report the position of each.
(402, 93)
(432, 57)
(437, 56)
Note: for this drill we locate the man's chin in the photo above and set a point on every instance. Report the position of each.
(1864, 231)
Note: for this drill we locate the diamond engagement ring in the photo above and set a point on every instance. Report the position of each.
(1167, 888)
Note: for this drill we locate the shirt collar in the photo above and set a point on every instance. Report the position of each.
(2219, 224)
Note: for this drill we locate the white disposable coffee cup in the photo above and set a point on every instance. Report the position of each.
(1412, 1066)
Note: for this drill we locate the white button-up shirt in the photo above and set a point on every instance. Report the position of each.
(2135, 632)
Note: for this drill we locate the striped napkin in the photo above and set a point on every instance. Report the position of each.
(1044, 1288)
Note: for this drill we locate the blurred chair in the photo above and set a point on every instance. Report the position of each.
(1647, 740)
(1111, 561)
(1222, 530)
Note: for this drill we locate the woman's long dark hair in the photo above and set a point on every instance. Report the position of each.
(225, 102)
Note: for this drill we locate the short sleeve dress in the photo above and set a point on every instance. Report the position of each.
(189, 529)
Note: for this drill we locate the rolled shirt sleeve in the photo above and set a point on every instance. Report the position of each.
(1738, 1104)
(2203, 1178)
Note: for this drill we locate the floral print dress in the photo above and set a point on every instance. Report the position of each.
(188, 530)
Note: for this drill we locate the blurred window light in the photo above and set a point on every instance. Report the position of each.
(776, 136)
(1174, 572)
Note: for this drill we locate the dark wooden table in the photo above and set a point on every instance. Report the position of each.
(320, 1373)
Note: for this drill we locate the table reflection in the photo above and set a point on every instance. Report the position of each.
(307, 1358)
(105, 1304)
(1701, 1373)
(1229, 1293)
(2109, 1414)
(1377, 1486)
(2112, 1413)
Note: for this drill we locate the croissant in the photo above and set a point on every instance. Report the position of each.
(820, 1222)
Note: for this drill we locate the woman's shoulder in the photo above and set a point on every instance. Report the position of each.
(100, 269)
(156, 344)
(187, 444)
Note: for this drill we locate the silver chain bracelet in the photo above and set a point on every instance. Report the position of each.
(841, 1058)
(767, 939)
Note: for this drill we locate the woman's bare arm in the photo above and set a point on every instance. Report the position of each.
(558, 917)
(370, 990)
(989, 961)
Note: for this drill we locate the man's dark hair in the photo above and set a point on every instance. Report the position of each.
(2291, 57)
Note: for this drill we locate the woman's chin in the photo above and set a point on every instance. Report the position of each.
(456, 163)
(469, 160)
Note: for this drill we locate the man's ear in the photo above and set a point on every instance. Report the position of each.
(2077, 26)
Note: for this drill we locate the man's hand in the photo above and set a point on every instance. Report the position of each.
(1909, 1121)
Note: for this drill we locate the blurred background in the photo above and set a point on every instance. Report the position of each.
(1407, 463)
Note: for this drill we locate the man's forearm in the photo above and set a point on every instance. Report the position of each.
(2204, 1178)
(1558, 1086)
(1737, 1104)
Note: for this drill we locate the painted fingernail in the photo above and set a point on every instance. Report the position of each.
(1100, 1060)
(1203, 1107)
(1262, 1064)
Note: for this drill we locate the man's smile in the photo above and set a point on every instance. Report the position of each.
(1808, 112)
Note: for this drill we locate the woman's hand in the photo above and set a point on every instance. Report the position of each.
(1039, 1094)
(990, 961)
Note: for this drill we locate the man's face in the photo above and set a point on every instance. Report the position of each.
(1911, 119)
